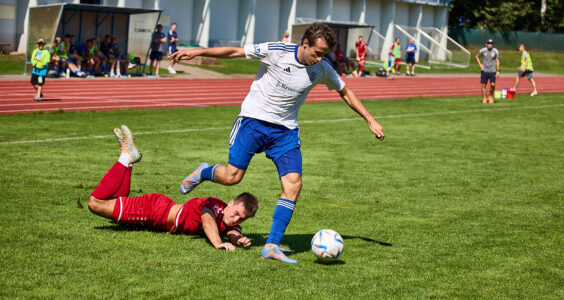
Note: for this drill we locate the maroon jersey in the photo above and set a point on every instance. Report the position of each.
(361, 47)
(189, 218)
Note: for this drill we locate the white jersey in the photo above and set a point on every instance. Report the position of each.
(282, 83)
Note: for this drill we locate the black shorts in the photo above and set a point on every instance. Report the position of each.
(158, 55)
(37, 80)
(487, 75)
(528, 73)
(410, 60)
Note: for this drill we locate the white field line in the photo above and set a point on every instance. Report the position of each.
(301, 122)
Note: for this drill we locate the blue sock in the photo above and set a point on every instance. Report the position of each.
(280, 220)
(209, 173)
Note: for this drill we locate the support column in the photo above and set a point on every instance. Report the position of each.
(203, 34)
(22, 45)
(388, 13)
(247, 9)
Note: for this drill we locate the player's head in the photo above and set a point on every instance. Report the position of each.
(489, 44)
(57, 40)
(521, 47)
(360, 38)
(411, 41)
(107, 38)
(173, 27)
(239, 209)
(391, 54)
(40, 43)
(286, 34)
(159, 27)
(318, 39)
(398, 40)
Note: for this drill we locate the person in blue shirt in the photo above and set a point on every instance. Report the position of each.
(40, 58)
(157, 49)
(172, 39)
(410, 51)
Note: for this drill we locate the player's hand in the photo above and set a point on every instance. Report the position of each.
(182, 55)
(481, 67)
(226, 246)
(377, 129)
(497, 74)
(244, 242)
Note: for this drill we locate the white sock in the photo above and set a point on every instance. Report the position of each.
(124, 159)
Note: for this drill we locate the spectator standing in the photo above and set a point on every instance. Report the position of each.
(410, 51)
(396, 50)
(389, 65)
(157, 49)
(39, 60)
(113, 56)
(525, 69)
(490, 69)
(172, 40)
(361, 51)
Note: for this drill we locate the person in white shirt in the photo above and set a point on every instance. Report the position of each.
(268, 118)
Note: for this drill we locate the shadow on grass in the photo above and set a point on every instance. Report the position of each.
(297, 242)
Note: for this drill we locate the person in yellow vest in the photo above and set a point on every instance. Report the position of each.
(40, 58)
(525, 69)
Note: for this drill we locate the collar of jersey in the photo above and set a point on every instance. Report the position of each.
(296, 56)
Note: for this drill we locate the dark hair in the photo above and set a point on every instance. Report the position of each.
(250, 203)
(173, 24)
(319, 31)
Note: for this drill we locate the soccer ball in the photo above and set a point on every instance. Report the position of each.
(327, 245)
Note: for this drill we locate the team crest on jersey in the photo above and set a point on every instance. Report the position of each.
(257, 48)
(217, 210)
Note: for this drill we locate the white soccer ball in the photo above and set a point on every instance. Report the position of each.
(327, 245)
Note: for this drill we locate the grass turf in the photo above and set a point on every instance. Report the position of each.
(461, 200)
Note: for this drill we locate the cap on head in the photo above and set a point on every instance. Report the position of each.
(489, 41)
(41, 41)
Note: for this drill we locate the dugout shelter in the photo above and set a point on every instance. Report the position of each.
(347, 33)
(133, 27)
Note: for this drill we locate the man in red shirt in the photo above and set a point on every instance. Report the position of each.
(361, 48)
(210, 216)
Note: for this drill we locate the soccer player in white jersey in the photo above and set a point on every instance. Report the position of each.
(268, 119)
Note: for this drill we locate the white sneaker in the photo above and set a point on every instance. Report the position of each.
(171, 70)
(534, 93)
(112, 74)
(131, 65)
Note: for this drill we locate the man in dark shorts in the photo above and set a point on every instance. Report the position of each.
(40, 58)
(410, 50)
(157, 47)
(525, 69)
(208, 216)
(490, 69)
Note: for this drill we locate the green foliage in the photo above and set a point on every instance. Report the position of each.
(508, 15)
(462, 200)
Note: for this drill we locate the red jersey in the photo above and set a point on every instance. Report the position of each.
(361, 47)
(189, 217)
(340, 55)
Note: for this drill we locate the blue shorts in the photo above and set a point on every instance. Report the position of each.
(158, 55)
(250, 136)
(484, 76)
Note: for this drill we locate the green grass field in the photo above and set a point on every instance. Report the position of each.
(462, 200)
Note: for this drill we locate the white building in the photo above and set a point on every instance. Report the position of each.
(235, 22)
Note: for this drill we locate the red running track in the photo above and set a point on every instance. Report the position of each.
(142, 93)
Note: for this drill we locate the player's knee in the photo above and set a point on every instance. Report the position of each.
(292, 184)
(93, 204)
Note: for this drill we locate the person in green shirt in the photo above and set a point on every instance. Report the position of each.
(396, 50)
(525, 69)
(40, 58)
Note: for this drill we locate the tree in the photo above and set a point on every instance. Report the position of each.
(527, 15)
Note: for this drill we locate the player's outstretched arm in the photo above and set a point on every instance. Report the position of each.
(237, 239)
(212, 232)
(348, 96)
(218, 52)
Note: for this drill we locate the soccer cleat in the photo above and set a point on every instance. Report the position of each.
(534, 93)
(37, 99)
(485, 100)
(191, 181)
(119, 136)
(276, 253)
(490, 99)
(129, 146)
